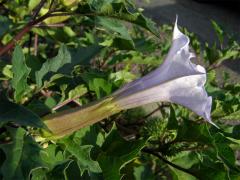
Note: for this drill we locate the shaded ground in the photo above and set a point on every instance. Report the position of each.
(196, 18)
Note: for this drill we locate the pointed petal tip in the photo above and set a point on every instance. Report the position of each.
(176, 21)
(176, 32)
(207, 113)
(207, 109)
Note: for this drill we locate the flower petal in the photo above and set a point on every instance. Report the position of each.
(177, 63)
(177, 80)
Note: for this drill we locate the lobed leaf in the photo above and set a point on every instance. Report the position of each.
(54, 64)
(117, 152)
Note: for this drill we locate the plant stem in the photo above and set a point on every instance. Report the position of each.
(35, 44)
(149, 151)
(37, 9)
(50, 25)
(29, 26)
(65, 103)
(25, 30)
(51, 13)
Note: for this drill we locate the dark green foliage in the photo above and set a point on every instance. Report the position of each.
(11, 112)
(101, 46)
(53, 65)
(20, 74)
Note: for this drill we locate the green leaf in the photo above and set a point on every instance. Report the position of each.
(90, 135)
(97, 83)
(54, 64)
(54, 79)
(185, 160)
(52, 156)
(13, 152)
(172, 120)
(236, 132)
(100, 86)
(24, 156)
(210, 168)
(122, 38)
(82, 154)
(219, 31)
(81, 146)
(117, 152)
(143, 172)
(212, 54)
(78, 91)
(53, 160)
(5, 25)
(39, 174)
(20, 73)
(32, 4)
(70, 2)
(122, 77)
(224, 152)
(7, 72)
(190, 132)
(114, 26)
(18, 114)
(232, 117)
(59, 171)
(72, 172)
(182, 175)
(82, 56)
(63, 35)
(119, 10)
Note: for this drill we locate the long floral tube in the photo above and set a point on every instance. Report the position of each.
(177, 80)
(68, 121)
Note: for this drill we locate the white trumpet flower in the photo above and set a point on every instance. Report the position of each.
(177, 80)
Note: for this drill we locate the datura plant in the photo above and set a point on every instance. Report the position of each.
(76, 81)
(176, 80)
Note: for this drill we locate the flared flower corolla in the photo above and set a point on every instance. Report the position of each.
(177, 80)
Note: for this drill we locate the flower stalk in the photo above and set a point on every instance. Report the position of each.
(177, 80)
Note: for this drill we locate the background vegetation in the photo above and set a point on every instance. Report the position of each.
(59, 54)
